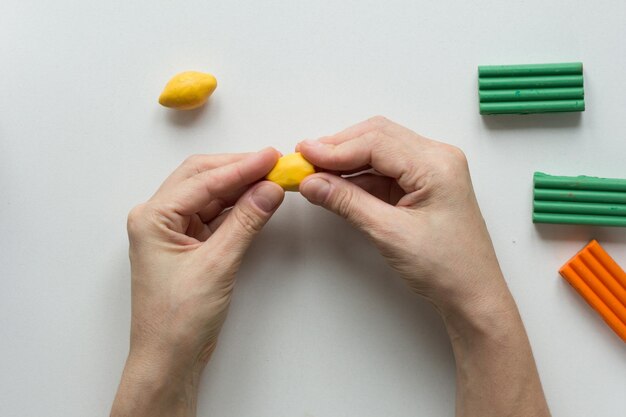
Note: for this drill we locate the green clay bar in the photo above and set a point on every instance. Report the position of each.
(533, 94)
(534, 88)
(525, 107)
(568, 207)
(580, 196)
(581, 182)
(579, 219)
(579, 200)
(567, 68)
(542, 81)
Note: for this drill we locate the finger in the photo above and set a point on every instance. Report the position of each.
(200, 230)
(383, 188)
(346, 199)
(220, 204)
(197, 192)
(214, 224)
(196, 228)
(394, 152)
(347, 172)
(196, 164)
(354, 154)
(351, 132)
(246, 219)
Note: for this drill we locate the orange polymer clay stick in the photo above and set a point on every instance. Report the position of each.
(608, 263)
(601, 282)
(594, 283)
(602, 273)
(592, 299)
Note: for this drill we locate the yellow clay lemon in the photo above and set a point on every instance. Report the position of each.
(290, 170)
(188, 90)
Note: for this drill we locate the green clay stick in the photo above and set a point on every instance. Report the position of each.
(567, 68)
(579, 219)
(524, 107)
(566, 93)
(542, 81)
(582, 182)
(582, 196)
(579, 208)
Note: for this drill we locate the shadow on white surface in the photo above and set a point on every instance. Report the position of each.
(189, 118)
(114, 305)
(532, 121)
(581, 233)
(319, 320)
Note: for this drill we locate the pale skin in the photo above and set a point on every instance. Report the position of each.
(419, 209)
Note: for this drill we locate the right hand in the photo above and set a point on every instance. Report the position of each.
(418, 208)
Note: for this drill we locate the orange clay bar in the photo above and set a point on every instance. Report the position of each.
(601, 282)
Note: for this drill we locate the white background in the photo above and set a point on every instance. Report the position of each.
(319, 326)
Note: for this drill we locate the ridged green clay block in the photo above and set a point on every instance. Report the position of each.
(579, 219)
(579, 200)
(566, 68)
(542, 81)
(526, 107)
(581, 182)
(567, 207)
(581, 196)
(533, 88)
(534, 94)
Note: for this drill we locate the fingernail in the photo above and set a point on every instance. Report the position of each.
(267, 197)
(316, 190)
(311, 143)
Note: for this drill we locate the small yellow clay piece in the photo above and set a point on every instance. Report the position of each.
(188, 90)
(290, 170)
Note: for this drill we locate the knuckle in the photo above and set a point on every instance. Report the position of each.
(336, 157)
(385, 129)
(453, 163)
(379, 121)
(136, 218)
(247, 220)
(325, 139)
(239, 174)
(343, 202)
(457, 155)
(193, 162)
(382, 138)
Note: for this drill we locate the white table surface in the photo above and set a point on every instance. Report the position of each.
(319, 326)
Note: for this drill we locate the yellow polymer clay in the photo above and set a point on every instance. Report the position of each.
(188, 90)
(290, 170)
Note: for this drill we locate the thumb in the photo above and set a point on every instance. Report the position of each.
(246, 219)
(346, 199)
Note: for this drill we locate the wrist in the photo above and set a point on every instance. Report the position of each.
(157, 385)
(492, 354)
(484, 325)
(488, 318)
(483, 307)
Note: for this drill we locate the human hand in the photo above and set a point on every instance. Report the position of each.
(185, 250)
(418, 208)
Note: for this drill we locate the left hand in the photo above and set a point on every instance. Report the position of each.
(185, 250)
